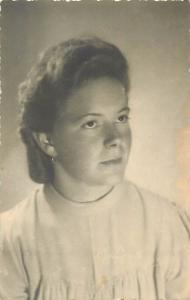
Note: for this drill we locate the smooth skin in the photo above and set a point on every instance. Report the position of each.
(91, 140)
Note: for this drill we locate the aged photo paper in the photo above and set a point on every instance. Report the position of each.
(155, 38)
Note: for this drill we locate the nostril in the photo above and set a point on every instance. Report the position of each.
(112, 142)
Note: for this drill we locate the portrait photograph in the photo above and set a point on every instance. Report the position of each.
(95, 150)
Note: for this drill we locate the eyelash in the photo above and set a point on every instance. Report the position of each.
(125, 120)
(87, 123)
(94, 123)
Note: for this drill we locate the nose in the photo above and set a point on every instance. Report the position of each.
(112, 137)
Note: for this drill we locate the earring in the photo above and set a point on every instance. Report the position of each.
(46, 142)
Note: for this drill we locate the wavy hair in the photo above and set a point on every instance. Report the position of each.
(59, 71)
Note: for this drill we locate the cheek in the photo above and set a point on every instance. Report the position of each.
(76, 150)
(127, 136)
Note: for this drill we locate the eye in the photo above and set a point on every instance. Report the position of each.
(123, 119)
(90, 124)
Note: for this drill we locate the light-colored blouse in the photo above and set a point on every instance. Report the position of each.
(129, 245)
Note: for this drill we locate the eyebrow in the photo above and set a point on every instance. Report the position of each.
(126, 108)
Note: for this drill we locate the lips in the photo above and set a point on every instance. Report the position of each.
(115, 161)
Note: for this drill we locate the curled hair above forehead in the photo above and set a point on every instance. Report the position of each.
(60, 70)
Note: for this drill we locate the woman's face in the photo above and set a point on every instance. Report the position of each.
(92, 136)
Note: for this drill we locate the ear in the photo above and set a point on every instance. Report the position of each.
(45, 143)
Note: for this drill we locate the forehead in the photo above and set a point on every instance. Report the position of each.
(96, 95)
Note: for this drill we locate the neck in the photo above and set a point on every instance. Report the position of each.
(78, 191)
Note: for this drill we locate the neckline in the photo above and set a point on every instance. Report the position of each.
(85, 202)
(60, 204)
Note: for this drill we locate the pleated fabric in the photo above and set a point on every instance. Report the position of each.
(130, 245)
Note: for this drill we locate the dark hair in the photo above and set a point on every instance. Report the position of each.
(61, 69)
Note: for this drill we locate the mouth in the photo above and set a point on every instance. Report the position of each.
(116, 161)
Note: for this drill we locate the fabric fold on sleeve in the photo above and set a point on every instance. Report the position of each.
(178, 258)
(13, 278)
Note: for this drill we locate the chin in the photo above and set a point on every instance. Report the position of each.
(112, 180)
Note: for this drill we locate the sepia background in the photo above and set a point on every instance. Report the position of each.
(155, 39)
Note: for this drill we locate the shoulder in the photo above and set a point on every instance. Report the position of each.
(150, 202)
(159, 211)
(14, 221)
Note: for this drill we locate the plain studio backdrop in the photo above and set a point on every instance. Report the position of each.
(154, 36)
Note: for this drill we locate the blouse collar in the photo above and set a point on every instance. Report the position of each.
(60, 203)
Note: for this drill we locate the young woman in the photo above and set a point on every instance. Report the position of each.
(87, 233)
